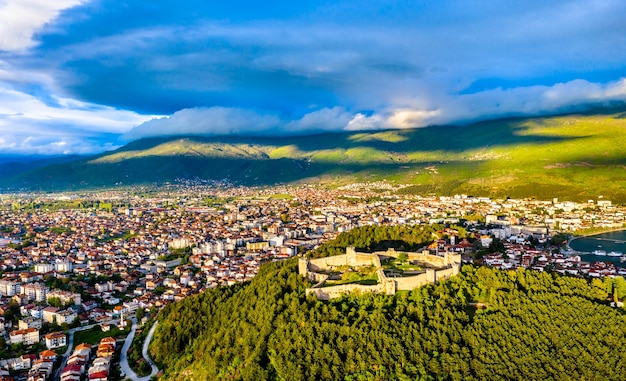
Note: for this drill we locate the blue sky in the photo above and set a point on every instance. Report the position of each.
(83, 76)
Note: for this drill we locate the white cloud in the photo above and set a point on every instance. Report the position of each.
(410, 66)
(572, 96)
(21, 109)
(31, 127)
(236, 121)
(21, 19)
(533, 100)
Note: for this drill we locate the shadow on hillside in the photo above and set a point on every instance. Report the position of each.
(262, 170)
(439, 138)
(160, 169)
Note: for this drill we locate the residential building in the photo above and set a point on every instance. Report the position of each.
(55, 340)
(27, 336)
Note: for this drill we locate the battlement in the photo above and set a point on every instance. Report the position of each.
(437, 268)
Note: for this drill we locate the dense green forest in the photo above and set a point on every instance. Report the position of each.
(529, 324)
(376, 238)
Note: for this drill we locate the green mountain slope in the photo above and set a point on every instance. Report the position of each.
(536, 326)
(574, 156)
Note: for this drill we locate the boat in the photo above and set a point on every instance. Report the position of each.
(614, 254)
(599, 252)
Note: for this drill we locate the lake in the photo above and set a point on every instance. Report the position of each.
(612, 241)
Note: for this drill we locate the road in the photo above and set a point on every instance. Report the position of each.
(130, 374)
(70, 347)
(123, 357)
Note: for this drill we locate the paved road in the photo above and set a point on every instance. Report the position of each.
(130, 374)
(70, 347)
(145, 353)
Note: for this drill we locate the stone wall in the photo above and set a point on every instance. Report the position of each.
(332, 292)
(449, 265)
(411, 282)
(447, 273)
(351, 258)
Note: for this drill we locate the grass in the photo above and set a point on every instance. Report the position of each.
(401, 266)
(366, 275)
(95, 334)
(575, 157)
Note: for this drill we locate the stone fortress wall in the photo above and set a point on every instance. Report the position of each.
(437, 268)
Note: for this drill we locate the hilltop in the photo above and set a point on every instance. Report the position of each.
(535, 326)
(571, 156)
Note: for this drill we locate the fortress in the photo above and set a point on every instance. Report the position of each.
(318, 270)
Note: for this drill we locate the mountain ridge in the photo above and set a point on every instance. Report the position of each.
(572, 156)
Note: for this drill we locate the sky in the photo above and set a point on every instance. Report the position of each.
(85, 76)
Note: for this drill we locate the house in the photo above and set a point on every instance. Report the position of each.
(71, 373)
(25, 310)
(111, 300)
(89, 305)
(83, 350)
(25, 362)
(109, 341)
(105, 350)
(66, 316)
(99, 376)
(131, 307)
(20, 299)
(119, 310)
(27, 336)
(48, 355)
(40, 370)
(49, 314)
(29, 322)
(55, 340)
(83, 319)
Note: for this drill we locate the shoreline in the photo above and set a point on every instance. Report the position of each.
(573, 238)
(602, 232)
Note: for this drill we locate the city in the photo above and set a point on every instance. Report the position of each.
(98, 259)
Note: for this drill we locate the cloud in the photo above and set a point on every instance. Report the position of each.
(216, 121)
(572, 96)
(30, 126)
(21, 19)
(535, 100)
(342, 54)
(93, 70)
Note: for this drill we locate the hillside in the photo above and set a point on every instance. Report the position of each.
(574, 156)
(535, 326)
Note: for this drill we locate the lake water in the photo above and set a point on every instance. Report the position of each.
(613, 241)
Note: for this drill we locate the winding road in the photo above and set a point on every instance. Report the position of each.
(130, 374)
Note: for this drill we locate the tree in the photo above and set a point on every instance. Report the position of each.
(55, 301)
(497, 245)
(140, 313)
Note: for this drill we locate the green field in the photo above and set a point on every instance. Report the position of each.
(574, 157)
(365, 275)
(94, 335)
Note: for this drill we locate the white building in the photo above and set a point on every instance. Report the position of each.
(27, 336)
(9, 288)
(55, 340)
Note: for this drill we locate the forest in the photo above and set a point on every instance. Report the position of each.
(380, 238)
(483, 324)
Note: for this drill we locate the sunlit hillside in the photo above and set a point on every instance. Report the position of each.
(574, 156)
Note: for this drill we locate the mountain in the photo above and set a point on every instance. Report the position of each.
(571, 156)
(14, 165)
